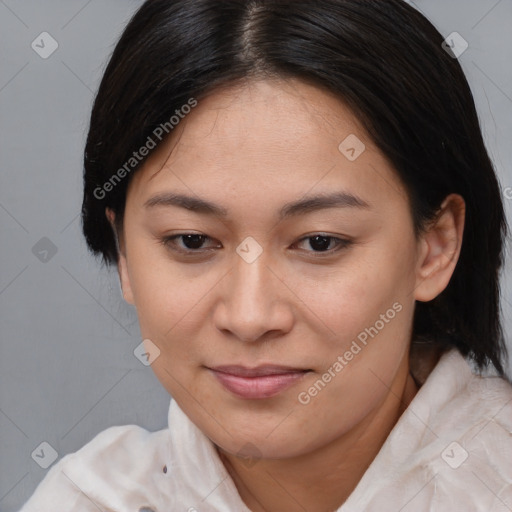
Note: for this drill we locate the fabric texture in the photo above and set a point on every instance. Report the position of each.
(451, 450)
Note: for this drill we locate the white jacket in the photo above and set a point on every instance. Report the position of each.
(451, 450)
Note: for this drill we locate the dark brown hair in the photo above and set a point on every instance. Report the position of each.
(383, 59)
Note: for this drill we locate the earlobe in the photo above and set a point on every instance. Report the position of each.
(111, 217)
(122, 266)
(440, 247)
(124, 278)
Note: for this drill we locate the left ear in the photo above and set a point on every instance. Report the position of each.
(440, 246)
(122, 266)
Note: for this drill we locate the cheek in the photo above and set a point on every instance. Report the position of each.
(169, 297)
(344, 300)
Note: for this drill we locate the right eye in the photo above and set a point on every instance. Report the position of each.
(191, 243)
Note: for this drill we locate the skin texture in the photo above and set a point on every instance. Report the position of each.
(251, 149)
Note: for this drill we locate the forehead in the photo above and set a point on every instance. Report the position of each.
(276, 137)
(288, 116)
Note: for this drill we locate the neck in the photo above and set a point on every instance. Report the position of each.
(321, 481)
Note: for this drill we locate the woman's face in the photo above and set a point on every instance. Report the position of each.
(287, 322)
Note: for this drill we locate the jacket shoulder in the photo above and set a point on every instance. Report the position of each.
(103, 474)
(472, 460)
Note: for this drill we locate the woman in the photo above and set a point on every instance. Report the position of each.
(300, 205)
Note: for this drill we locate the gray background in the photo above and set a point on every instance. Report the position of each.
(67, 366)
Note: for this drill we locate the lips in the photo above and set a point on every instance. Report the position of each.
(257, 383)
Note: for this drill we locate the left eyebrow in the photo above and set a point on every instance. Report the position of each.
(300, 207)
(321, 202)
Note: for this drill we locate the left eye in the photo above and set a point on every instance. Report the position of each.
(192, 243)
(320, 243)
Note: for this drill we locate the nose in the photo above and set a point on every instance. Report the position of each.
(255, 303)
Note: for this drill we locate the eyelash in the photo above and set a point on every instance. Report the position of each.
(342, 243)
